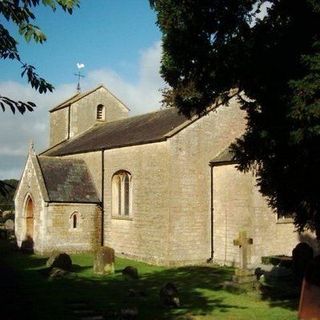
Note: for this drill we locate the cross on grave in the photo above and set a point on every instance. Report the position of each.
(243, 278)
(243, 243)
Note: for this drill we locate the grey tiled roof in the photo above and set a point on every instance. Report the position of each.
(67, 180)
(146, 128)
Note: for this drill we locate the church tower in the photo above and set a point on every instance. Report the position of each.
(82, 111)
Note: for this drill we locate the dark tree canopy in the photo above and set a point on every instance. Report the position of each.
(7, 190)
(211, 46)
(20, 13)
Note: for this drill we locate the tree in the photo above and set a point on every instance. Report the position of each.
(6, 199)
(21, 14)
(273, 61)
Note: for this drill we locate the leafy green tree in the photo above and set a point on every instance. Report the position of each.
(21, 14)
(272, 60)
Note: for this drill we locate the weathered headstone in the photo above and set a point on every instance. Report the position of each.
(243, 274)
(103, 260)
(59, 260)
(130, 272)
(309, 307)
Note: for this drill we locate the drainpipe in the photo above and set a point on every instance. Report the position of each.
(211, 215)
(69, 113)
(102, 199)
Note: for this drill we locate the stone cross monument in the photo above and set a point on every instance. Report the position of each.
(243, 274)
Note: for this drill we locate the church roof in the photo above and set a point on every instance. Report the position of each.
(224, 157)
(146, 128)
(67, 180)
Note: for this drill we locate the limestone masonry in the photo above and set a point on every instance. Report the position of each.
(157, 187)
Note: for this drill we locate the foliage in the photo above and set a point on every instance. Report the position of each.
(273, 63)
(7, 190)
(21, 14)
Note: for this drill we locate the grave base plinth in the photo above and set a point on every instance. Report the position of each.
(244, 276)
(242, 281)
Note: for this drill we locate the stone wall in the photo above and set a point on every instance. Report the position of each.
(83, 112)
(29, 187)
(58, 126)
(170, 222)
(83, 115)
(238, 206)
(60, 234)
(190, 151)
(53, 228)
(144, 234)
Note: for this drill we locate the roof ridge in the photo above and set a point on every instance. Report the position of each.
(80, 95)
(65, 101)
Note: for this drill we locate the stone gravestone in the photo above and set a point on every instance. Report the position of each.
(104, 261)
(243, 274)
(309, 306)
(59, 260)
(243, 279)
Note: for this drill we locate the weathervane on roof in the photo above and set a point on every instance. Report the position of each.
(31, 147)
(79, 75)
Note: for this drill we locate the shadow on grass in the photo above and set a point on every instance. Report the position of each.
(110, 294)
(199, 290)
(283, 293)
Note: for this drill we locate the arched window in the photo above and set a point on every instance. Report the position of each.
(121, 193)
(100, 112)
(74, 220)
(29, 214)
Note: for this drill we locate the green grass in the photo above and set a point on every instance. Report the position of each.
(199, 288)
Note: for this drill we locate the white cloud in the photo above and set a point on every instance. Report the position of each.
(18, 130)
(142, 96)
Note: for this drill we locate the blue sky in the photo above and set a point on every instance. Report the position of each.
(119, 44)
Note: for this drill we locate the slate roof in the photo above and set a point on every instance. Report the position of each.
(225, 156)
(146, 128)
(67, 180)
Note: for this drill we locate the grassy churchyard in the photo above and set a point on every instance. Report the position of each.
(27, 292)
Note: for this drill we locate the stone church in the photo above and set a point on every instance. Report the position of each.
(156, 187)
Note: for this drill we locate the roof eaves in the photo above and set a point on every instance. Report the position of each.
(55, 146)
(161, 139)
(83, 202)
(222, 163)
